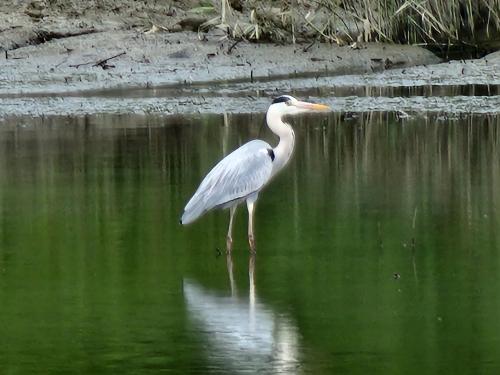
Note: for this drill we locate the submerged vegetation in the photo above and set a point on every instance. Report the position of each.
(431, 22)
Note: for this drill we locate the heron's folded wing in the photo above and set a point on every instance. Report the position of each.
(241, 173)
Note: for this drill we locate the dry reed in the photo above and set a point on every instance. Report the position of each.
(437, 22)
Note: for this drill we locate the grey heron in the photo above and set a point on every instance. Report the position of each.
(242, 174)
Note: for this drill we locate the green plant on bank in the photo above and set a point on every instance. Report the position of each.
(345, 21)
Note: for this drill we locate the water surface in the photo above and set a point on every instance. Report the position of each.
(378, 250)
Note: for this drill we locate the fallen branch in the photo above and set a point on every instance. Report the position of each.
(309, 45)
(102, 63)
(7, 56)
(230, 49)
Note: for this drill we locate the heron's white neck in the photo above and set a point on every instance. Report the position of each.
(283, 151)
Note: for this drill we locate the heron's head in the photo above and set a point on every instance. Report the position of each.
(288, 105)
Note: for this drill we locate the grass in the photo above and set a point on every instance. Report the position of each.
(432, 22)
(428, 21)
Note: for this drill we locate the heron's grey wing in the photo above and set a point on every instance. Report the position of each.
(241, 173)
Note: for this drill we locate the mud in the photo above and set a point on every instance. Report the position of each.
(452, 100)
(57, 64)
(70, 64)
(62, 46)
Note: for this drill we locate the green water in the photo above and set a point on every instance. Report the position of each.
(377, 248)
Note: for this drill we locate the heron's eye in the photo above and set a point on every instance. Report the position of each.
(288, 102)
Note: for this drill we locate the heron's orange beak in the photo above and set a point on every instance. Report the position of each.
(313, 106)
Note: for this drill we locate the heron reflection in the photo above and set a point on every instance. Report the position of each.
(243, 334)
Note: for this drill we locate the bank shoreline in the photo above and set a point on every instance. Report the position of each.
(161, 68)
(123, 59)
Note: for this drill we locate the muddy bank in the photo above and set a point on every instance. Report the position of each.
(81, 106)
(175, 73)
(88, 64)
(195, 83)
(72, 63)
(61, 47)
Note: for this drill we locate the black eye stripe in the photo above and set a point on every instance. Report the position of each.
(281, 99)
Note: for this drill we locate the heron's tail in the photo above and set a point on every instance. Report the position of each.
(191, 214)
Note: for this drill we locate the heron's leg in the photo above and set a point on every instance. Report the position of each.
(229, 238)
(251, 236)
